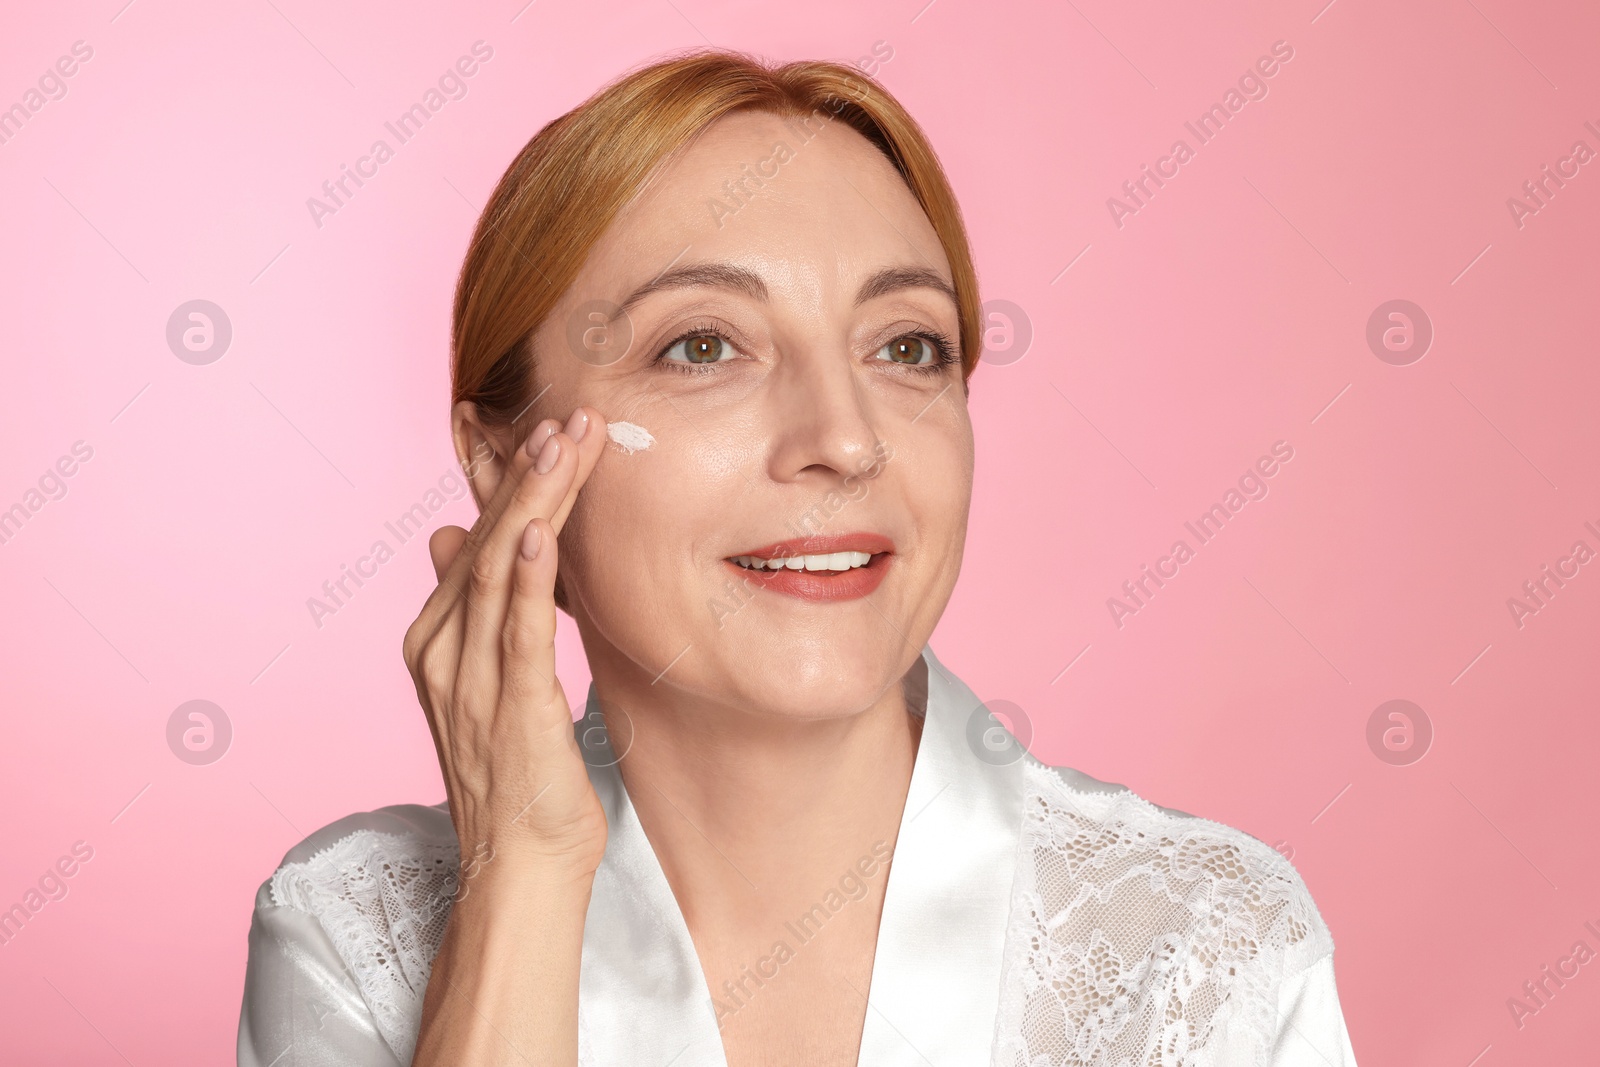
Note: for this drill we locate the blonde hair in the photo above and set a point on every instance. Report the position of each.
(569, 182)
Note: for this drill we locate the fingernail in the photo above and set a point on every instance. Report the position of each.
(548, 456)
(532, 539)
(577, 425)
(541, 434)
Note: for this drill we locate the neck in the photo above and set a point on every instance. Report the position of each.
(747, 812)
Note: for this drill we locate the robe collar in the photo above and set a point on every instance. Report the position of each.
(936, 975)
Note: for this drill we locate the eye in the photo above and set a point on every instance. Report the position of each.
(910, 350)
(698, 348)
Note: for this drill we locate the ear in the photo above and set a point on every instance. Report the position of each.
(484, 454)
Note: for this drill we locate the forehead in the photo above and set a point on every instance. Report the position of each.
(806, 202)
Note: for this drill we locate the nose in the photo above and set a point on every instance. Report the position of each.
(821, 419)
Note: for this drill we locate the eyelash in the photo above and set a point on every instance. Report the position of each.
(943, 349)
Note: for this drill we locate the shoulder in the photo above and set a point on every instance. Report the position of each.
(1099, 833)
(347, 926)
(360, 849)
(1138, 926)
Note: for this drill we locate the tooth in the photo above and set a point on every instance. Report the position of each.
(834, 561)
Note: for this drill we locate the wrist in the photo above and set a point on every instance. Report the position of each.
(526, 875)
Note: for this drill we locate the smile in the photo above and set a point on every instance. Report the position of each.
(832, 568)
(834, 561)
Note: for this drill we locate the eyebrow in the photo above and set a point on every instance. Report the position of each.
(742, 280)
(699, 275)
(893, 279)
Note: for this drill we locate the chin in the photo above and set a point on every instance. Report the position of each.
(827, 676)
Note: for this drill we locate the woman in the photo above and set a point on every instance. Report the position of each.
(711, 348)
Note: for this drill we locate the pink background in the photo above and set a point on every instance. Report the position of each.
(1167, 354)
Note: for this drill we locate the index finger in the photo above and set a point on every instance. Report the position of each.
(523, 495)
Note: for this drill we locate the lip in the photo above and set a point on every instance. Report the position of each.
(818, 545)
(813, 585)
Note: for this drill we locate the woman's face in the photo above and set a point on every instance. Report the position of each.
(787, 365)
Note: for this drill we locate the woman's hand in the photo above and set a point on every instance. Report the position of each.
(482, 655)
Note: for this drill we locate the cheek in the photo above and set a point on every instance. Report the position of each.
(947, 499)
(940, 497)
(635, 519)
(938, 468)
(605, 519)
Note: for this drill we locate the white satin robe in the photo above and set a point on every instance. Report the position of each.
(1033, 917)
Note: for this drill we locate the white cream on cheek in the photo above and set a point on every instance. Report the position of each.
(629, 437)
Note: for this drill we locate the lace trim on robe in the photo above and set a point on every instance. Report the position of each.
(383, 899)
(1140, 937)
